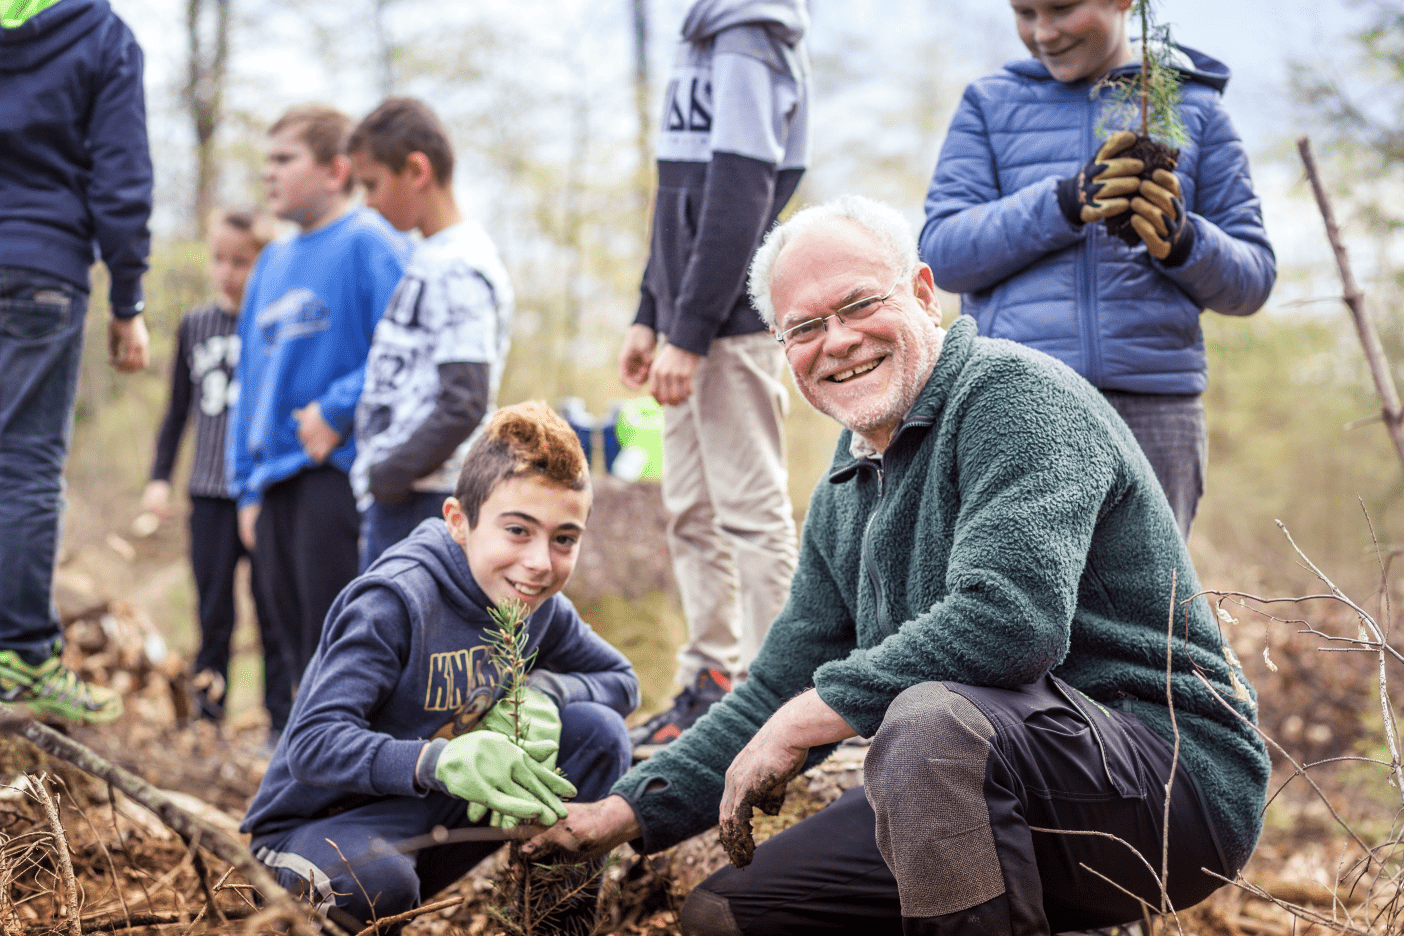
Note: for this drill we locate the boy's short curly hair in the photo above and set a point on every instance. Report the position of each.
(400, 126)
(525, 440)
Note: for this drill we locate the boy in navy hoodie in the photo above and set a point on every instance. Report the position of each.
(397, 729)
(75, 174)
(309, 310)
(1012, 223)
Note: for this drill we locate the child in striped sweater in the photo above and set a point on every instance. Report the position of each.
(203, 386)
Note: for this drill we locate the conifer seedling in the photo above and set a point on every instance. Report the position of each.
(533, 898)
(1147, 103)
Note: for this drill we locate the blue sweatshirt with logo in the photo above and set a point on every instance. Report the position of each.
(310, 307)
(75, 169)
(403, 659)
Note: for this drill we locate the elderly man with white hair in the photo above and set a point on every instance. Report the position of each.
(984, 585)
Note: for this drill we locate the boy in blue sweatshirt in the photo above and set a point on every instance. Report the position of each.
(1012, 223)
(309, 310)
(398, 727)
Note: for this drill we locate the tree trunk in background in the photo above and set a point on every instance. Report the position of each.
(208, 22)
(384, 49)
(642, 104)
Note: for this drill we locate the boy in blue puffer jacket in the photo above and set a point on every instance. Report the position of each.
(1009, 225)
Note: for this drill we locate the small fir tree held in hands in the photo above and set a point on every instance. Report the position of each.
(1147, 103)
(531, 898)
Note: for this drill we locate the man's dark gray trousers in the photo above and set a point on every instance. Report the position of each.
(959, 779)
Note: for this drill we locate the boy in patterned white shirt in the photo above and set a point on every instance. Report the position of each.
(436, 358)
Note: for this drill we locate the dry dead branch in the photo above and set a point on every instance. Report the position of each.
(65, 860)
(281, 904)
(1391, 412)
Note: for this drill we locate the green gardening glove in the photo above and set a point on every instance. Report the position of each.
(540, 722)
(491, 772)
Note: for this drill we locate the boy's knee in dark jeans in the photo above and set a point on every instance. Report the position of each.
(363, 875)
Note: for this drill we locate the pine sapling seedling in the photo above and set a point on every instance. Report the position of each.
(1148, 103)
(532, 898)
(507, 643)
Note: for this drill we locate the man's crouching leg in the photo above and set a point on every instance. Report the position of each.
(822, 875)
(959, 777)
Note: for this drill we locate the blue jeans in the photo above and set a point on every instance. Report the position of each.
(1171, 432)
(595, 752)
(384, 525)
(41, 346)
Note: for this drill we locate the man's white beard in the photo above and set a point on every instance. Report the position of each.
(888, 410)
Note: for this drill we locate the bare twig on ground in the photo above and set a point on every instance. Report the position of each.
(108, 923)
(112, 865)
(281, 904)
(1378, 644)
(65, 861)
(1175, 755)
(131, 861)
(408, 915)
(1391, 411)
(192, 845)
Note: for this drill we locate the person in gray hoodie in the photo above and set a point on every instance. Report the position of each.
(732, 146)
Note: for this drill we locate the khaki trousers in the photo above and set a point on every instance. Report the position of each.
(732, 530)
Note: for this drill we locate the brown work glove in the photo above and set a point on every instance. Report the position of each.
(1099, 191)
(1160, 219)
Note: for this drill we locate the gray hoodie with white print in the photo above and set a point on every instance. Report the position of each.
(732, 146)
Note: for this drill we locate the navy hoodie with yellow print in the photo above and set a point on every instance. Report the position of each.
(732, 146)
(403, 659)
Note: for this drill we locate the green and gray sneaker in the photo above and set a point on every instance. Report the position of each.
(52, 690)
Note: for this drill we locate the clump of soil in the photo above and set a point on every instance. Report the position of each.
(1155, 155)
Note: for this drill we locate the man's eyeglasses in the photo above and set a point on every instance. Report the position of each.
(809, 331)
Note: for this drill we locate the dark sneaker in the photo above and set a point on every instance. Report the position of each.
(208, 688)
(688, 706)
(52, 690)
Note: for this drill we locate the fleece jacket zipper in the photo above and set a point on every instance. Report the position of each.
(865, 552)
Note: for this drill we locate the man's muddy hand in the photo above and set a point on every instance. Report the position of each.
(756, 778)
(770, 760)
(589, 830)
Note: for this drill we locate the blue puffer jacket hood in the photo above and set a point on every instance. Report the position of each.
(1120, 318)
(76, 168)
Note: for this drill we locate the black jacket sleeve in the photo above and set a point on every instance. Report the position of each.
(736, 206)
(178, 413)
(462, 401)
(119, 194)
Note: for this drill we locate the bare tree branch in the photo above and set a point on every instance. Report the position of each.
(280, 903)
(65, 861)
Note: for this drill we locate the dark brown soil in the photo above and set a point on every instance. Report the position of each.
(1155, 155)
(736, 838)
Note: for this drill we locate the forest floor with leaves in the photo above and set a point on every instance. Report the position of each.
(130, 871)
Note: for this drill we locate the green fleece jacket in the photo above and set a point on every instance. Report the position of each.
(1012, 527)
